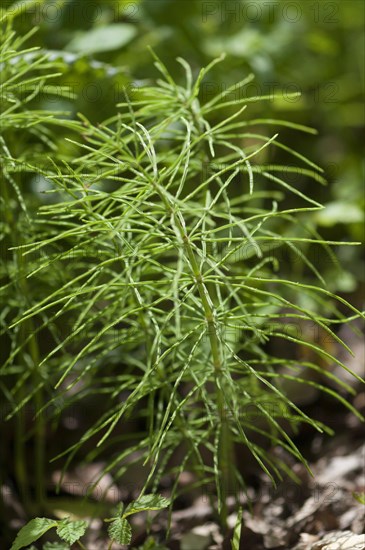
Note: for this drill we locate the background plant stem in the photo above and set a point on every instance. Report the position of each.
(27, 330)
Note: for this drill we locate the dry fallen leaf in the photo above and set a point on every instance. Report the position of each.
(340, 540)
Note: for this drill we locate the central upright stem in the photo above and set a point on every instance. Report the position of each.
(215, 345)
(224, 445)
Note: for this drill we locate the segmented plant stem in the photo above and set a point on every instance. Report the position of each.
(224, 436)
(28, 330)
(224, 446)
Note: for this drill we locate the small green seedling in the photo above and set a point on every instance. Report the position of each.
(70, 532)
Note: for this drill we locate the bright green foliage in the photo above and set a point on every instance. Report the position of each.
(181, 254)
(71, 531)
(32, 531)
(144, 503)
(164, 236)
(120, 531)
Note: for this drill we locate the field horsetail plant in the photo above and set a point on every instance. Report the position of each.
(153, 275)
